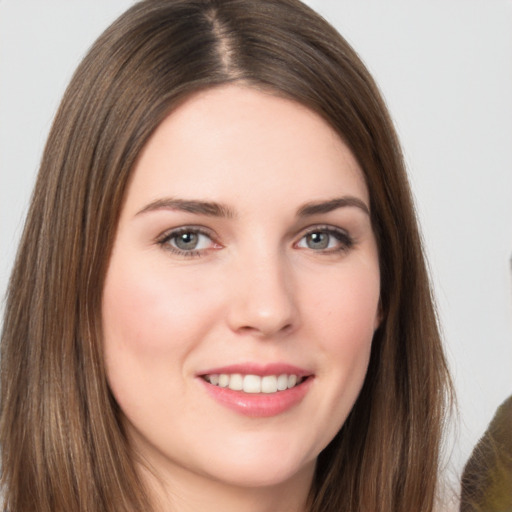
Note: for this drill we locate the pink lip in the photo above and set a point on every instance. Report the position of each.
(261, 405)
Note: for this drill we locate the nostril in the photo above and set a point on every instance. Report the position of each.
(287, 328)
(265, 330)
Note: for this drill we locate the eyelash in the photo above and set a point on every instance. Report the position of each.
(165, 241)
(346, 242)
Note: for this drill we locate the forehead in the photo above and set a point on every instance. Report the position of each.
(239, 143)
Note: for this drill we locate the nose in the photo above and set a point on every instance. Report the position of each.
(263, 301)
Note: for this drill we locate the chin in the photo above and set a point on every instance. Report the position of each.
(265, 471)
(253, 479)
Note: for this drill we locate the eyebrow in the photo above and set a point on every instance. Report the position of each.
(214, 209)
(318, 207)
(209, 208)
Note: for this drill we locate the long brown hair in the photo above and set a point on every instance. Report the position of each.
(63, 448)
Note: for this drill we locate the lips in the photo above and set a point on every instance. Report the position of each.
(257, 391)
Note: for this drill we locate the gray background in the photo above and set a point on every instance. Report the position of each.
(445, 68)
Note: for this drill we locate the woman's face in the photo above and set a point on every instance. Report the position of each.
(242, 293)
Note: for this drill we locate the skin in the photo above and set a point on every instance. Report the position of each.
(258, 288)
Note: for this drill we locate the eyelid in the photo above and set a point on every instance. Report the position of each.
(322, 227)
(168, 233)
(164, 238)
(346, 240)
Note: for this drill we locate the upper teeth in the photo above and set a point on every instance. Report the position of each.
(253, 383)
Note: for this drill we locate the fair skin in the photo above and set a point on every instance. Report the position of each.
(244, 247)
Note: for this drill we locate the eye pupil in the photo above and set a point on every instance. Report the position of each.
(186, 241)
(318, 240)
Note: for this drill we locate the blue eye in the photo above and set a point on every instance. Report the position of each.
(325, 239)
(187, 241)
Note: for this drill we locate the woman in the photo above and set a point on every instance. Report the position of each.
(220, 298)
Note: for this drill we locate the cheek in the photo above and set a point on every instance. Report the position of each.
(347, 314)
(340, 317)
(347, 306)
(148, 311)
(150, 324)
(347, 343)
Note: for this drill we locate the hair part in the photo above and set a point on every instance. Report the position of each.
(62, 442)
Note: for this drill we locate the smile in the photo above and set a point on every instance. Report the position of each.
(256, 390)
(254, 383)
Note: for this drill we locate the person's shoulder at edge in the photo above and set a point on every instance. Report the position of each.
(487, 477)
